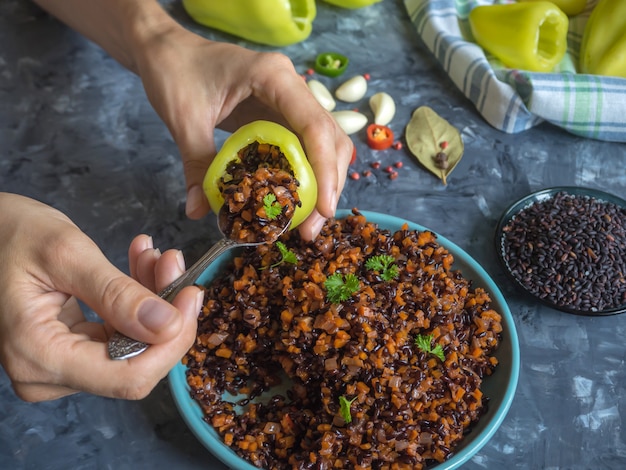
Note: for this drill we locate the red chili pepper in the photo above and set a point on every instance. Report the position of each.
(379, 137)
(353, 159)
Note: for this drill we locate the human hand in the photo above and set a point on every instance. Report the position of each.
(47, 347)
(196, 85)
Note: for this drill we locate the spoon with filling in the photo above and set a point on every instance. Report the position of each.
(122, 347)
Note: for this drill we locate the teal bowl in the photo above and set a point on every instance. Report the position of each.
(499, 388)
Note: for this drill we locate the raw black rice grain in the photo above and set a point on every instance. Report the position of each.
(569, 250)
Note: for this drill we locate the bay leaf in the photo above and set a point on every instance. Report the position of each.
(425, 135)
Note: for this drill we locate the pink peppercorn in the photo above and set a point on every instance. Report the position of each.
(354, 175)
(398, 164)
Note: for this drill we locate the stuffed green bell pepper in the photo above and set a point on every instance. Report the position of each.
(603, 48)
(529, 36)
(271, 22)
(261, 173)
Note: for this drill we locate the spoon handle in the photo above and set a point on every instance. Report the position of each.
(121, 346)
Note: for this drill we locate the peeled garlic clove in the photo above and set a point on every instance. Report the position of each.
(352, 90)
(350, 121)
(383, 107)
(321, 94)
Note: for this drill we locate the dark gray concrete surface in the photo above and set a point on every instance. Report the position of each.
(77, 132)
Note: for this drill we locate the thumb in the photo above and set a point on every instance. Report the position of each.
(121, 301)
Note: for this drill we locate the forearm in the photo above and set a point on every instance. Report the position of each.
(118, 26)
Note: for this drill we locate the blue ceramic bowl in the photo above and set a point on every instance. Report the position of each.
(500, 387)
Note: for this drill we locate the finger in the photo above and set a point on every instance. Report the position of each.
(194, 136)
(35, 393)
(139, 244)
(169, 267)
(310, 228)
(145, 265)
(123, 302)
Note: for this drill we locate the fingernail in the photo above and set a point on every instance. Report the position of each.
(199, 301)
(316, 226)
(181, 260)
(194, 199)
(333, 202)
(155, 314)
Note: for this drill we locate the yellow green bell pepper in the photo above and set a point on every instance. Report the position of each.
(569, 7)
(352, 3)
(603, 48)
(271, 22)
(529, 36)
(264, 132)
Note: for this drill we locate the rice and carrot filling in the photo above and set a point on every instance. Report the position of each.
(381, 368)
(260, 194)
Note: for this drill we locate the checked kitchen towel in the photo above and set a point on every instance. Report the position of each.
(515, 100)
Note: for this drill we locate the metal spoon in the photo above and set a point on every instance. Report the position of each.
(123, 347)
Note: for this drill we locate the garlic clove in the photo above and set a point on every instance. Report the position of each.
(352, 90)
(350, 121)
(383, 107)
(321, 94)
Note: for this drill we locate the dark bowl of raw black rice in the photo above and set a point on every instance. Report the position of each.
(566, 246)
(378, 345)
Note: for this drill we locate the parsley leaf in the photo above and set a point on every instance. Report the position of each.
(272, 208)
(340, 288)
(384, 264)
(287, 256)
(344, 408)
(424, 342)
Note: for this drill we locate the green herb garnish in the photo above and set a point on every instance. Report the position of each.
(272, 208)
(424, 342)
(344, 408)
(340, 288)
(383, 264)
(287, 256)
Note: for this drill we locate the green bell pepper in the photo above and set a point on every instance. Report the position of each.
(271, 22)
(529, 36)
(352, 3)
(603, 48)
(264, 132)
(569, 7)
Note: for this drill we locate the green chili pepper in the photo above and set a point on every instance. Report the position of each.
(264, 132)
(271, 22)
(352, 3)
(569, 7)
(603, 48)
(530, 36)
(331, 64)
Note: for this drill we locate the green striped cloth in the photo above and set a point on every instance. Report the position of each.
(515, 100)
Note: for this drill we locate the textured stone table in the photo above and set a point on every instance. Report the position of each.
(77, 132)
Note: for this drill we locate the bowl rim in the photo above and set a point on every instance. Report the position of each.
(203, 431)
(542, 195)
